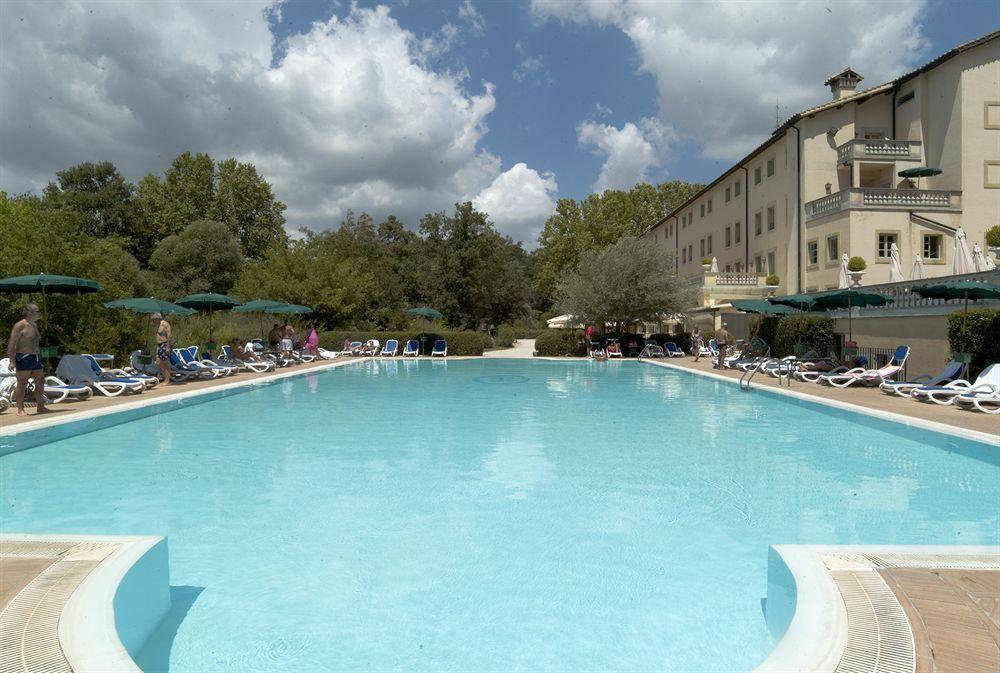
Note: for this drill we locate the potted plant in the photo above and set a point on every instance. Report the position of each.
(706, 263)
(856, 269)
(993, 240)
(772, 280)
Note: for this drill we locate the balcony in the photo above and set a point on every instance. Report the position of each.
(878, 150)
(865, 198)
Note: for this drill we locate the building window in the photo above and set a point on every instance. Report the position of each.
(736, 188)
(770, 167)
(729, 236)
(729, 268)
(757, 229)
(756, 175)
(758, 263)
(832, 249)
(710, 205)
(670, 230)
(885, 242)
(932, 246)
(729, 194)
(701, 246)
(710, 245)
(684, 255)
(702, 214)
(691, 252)
(737, 229)
(739, 267)
(812, 252)
(770, 262)
(770, 218)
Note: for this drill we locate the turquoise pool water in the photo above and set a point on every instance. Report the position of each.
(490, 515)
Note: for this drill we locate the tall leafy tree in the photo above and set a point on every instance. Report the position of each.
(245, 202)
(203, 257)
(600, 220)
(628, 280)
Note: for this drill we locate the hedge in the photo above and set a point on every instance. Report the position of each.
(811, 331)
(976, 332)
(459, 343)
(561, 343)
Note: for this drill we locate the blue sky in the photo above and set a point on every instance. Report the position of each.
(407, 107)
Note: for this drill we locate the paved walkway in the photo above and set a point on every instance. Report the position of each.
(523, 348)
(70, 407)
(869, 399)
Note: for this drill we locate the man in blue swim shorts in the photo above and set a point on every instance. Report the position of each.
(22, 351)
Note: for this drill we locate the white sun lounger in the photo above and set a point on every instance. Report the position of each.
(986, 384)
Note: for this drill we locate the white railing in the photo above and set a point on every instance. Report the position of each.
(908, 150)
(889, 199)
(903, 296)
(744, 279)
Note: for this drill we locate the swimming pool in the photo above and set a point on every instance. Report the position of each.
(487, 515)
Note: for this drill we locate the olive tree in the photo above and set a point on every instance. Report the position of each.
(628, 280)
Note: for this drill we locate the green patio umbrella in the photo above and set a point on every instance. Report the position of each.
(849, 298)
(919, 172)
(803, 302)
(263, 306)
(959, 289)
(208, 301)
(148, 305)
(47, 284)
(292, 309)
(424, 311)
(762, 307)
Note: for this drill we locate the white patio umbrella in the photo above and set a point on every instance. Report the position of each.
(918, 268)
(990, 264)
(844, 281)
(715, 265)
(979, 259)
(962, 259)
(895, 268)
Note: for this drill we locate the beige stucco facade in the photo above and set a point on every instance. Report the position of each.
(826, 182)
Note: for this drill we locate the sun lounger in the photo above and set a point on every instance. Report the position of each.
(985, 401)
(189, 357)
(177, 365)
(226, 358)
(986, 384)
(868, 376)
(135, 384)
(120, 374)
(440, 348)
(79, 370)
(391, 348)
(329, 355)
(613, 349)
(412, 348)
(371, 347)
(672, 350)
(903, 388)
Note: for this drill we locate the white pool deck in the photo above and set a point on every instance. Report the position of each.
(848, 608)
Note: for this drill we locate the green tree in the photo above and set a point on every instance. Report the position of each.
(600, 220)
(245, 202)
(196, 188)
(628, 280)
(203, 257)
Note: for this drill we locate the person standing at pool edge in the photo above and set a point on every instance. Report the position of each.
(696, 342)
(722, 343)
(22, 351)
(162, 346)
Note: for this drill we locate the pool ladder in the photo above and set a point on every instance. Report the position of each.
(785, 370)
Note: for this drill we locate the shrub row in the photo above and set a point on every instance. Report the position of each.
(810, 331)
(459, 343)
(561, 343)
(978, 333)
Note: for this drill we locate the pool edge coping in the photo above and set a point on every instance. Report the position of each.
(891, 416)
(817, 636)
(87, 632)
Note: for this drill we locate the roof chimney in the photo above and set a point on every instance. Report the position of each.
(843, 83)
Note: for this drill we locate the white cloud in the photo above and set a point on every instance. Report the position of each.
(721, 67)
(631, 150)
(519, 201)
(469, 13)
(532, 71)
(350, 117)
